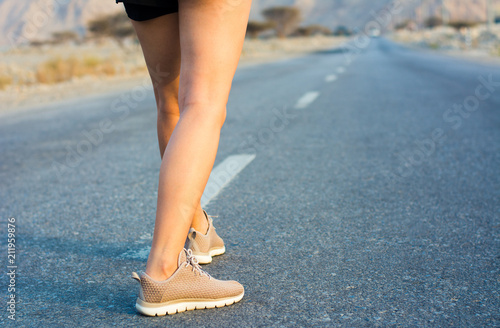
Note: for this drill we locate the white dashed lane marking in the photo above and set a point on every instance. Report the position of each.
(307, 99)
(331, 78)
(223, 174)
(220, 177)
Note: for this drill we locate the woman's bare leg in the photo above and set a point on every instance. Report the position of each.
(211, 38)
(159, 40)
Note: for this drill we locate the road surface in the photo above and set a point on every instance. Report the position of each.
(367, 194)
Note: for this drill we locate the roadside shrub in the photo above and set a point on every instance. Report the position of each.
(116, 26)
(285, 19)
(58, 70)
(311, 30)
(37, 43)
(458, 25)
(342, 31)
(434, 45)
(433, 21)
(64, 36)
(5, 80)
(403, 25)
(254, 28)
(55, 70)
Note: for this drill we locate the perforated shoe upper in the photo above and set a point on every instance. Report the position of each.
(188, 282)
(202, 243)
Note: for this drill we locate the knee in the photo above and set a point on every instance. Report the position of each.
(167, 103)
(167, 109)
(209, 112)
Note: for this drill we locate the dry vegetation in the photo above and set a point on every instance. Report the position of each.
(64, 69)
(111, 49)
(458, 38)
(36, 75)
(110, 52)
(5, 80)
(53, 64)
(59, 63)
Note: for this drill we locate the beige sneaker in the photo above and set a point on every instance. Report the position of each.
(204, 246)
(188, 288)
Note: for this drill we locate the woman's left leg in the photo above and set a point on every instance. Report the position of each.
(159, 39)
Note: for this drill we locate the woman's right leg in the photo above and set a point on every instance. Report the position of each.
(211, 38)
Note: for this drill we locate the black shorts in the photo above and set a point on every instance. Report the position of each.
(141, 10)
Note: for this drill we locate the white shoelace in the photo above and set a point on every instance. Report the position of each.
(191, 260)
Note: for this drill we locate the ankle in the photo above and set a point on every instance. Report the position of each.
(200, 222)
(160, 268)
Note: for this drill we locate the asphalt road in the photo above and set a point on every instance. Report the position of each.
(373, 198)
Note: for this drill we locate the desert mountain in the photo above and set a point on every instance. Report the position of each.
(22, 20)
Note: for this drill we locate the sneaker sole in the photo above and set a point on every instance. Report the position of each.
(161, 309)
(207, 258)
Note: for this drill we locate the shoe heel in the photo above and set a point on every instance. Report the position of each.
(203, 259)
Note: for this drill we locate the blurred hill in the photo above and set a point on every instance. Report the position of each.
(38, 19)
(22, 20)
(331, 13)
(356, 13)
(455, 10)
